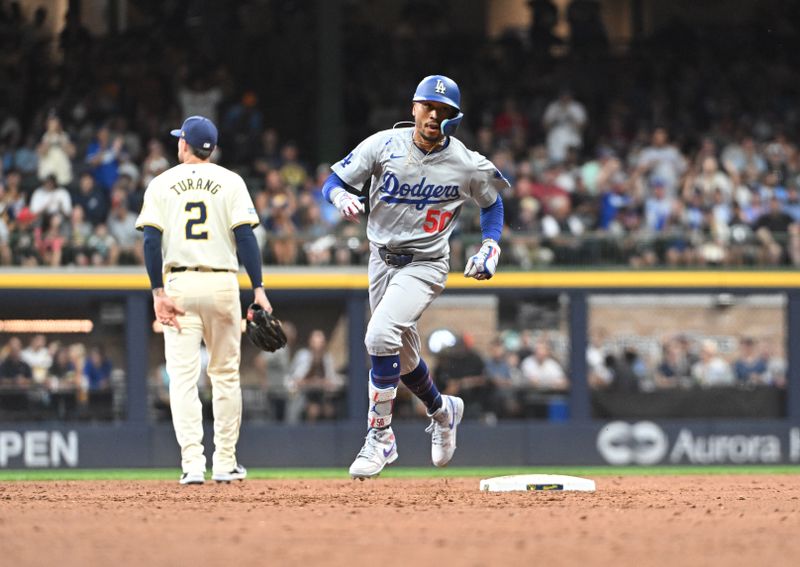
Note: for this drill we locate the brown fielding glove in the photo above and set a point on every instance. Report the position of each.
(264, 330)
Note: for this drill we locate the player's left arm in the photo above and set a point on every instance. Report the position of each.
(250, 256)
(485, 188)
(336, 192)
(243, 219)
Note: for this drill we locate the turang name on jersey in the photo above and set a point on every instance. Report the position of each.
(198, 184)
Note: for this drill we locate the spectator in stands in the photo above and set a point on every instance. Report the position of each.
(49, 239)
(673, 370)
(97, 369)
(504, 379)
(78, 233)
(21, 239)
(599, 375)
(282, 232)
(56, 152)
(742, 157)
(792, 204)
(25, 159)
(712, 370)
(509, 121)
(564, 120)
(103, 157)
(51, 199)
(623, 375)
(658, 207)
(543, 372)
(38, 357)
(200, 98)
(562, 232)
(293, 173)
(269, 155)
(122, 226)
(315, 379)
(778, 234)
(92, 199)
(62, 371)
(742, 245)
(460, 371)
(276, 367)
(776, 364)
(662, 160)
(14, 372)
(5, 236)
(242, 125)
(615, 198)
(750, 367)
(13, 197)
(102, 247)
(155, 162)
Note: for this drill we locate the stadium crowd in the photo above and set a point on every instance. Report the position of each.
(51, 379)
(677, 150)
(654, 157)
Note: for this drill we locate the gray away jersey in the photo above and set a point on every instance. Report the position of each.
(415, 199)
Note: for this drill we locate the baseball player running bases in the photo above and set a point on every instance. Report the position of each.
(195, 217)
(419, 177)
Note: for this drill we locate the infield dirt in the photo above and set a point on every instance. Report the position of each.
(676, 521)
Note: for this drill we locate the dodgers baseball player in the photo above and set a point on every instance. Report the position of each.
(419, 179)
(195, 217)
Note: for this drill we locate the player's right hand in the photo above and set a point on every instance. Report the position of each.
(166, 310)
(349, 205)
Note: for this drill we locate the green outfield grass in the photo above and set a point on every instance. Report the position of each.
(396, 472)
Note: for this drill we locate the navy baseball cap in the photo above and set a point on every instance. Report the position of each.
(199, 132)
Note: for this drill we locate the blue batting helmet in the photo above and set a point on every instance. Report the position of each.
(442, 89)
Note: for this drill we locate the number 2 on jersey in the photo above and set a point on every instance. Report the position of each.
(196, 223)
(436, 221)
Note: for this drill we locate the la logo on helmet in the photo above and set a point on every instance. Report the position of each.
(440, 88)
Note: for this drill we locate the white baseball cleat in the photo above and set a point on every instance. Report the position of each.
(192, 478)
(379, 450)
(444, 423)
(238, 473)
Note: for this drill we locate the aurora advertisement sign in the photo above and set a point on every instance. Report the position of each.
(649, 443)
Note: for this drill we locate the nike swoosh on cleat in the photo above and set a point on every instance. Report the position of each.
(392, 156)
(452, 413)
(387, 452)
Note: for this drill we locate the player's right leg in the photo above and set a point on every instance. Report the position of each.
(222, 315)
(380, 446)
(182, 353)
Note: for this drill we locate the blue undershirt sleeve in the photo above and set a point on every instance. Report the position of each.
(249, 254)
(492, 220)
(153, 260)
(332, 182)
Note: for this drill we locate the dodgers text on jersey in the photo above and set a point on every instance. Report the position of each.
(420, 194)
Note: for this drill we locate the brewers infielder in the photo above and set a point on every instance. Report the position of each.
(198, 214)
(419, 179)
